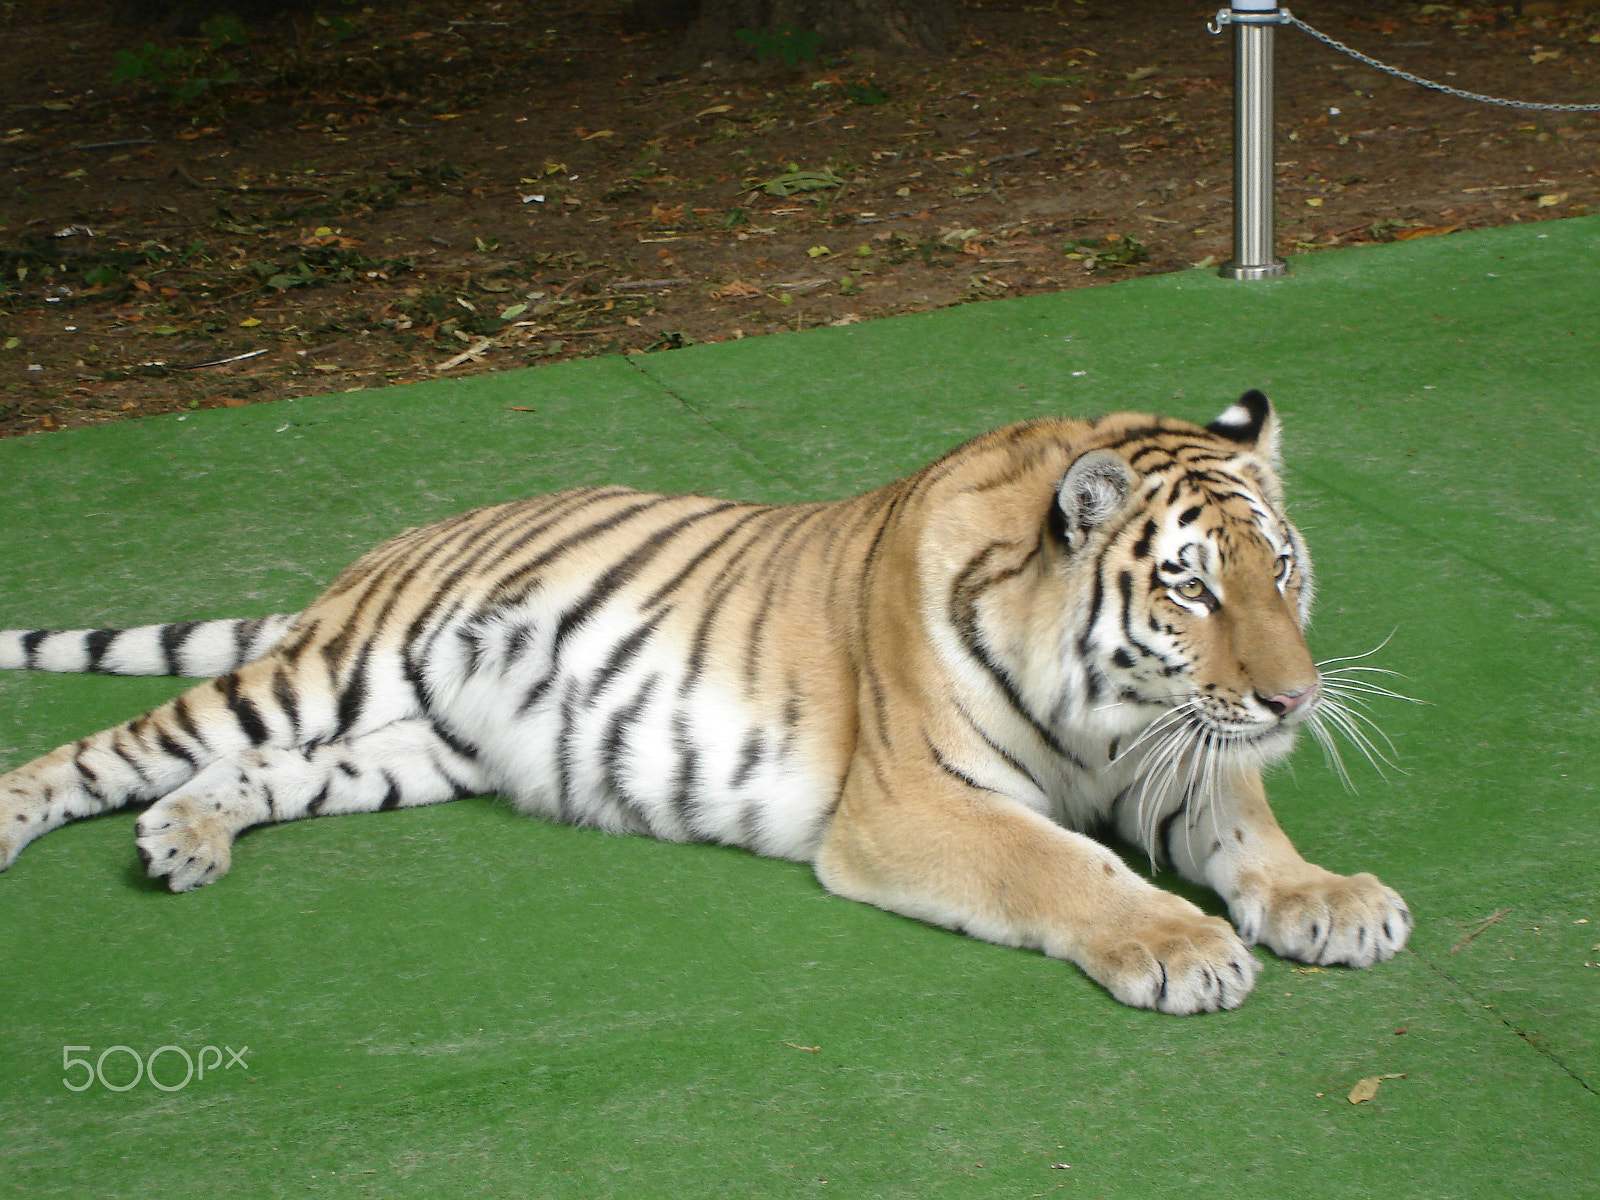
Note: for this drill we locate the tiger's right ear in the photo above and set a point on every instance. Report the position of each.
(1252, 424)
(1093, 489)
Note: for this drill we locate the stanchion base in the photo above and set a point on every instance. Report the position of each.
(1271, 270)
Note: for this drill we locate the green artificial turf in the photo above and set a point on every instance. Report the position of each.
(456, 1001)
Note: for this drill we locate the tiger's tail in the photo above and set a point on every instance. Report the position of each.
(195, 649)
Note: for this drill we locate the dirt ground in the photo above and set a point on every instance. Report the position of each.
(412, 191)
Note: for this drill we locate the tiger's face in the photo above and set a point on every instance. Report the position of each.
(1201, 591)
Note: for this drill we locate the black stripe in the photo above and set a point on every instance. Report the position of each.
(1141, 548)
(613, 744)
(391, 797)
(288, 702)
(503, 533)
(536, 693)
(616, 576)
(951, 769)
(750, 755)
(353, 696)
(471, 641)
(172, 749)
(243, 634)
(1125, 591)
(321, 798)
(97, 643)
(777, 576)
(30, 646)
(1005, 755)
(1097, 602)
(729, 576)
(186, 722)
(88, 778)
(963, 612)
(1157, 428)
(172, 639)
(686, 777)
(705, 551)
(516, 586)
(243, 708)
(564, 751)
(624, 652)
(133, 763)
(462, 747)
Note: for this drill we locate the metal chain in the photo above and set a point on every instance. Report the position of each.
(1289, 18)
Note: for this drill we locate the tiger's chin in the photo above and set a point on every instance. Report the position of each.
(1252, 747)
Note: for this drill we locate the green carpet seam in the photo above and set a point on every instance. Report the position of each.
(700, 416)
(1530, 1039)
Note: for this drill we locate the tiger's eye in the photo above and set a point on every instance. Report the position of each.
(1281, 568)
(1191, 589)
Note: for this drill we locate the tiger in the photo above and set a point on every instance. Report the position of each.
(952, 696)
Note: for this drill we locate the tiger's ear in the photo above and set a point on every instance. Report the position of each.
(1092, 490)
(1252, 423)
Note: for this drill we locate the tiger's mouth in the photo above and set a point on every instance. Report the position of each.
(1236, 730)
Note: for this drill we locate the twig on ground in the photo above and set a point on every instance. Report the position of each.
(475, 353)
(246, 189)
(1482, 925)
(28, 158)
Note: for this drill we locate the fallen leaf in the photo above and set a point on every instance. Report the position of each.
(801, 181)
(738, 289)
(665, 216)
(1551, 199)
(818, 252)
(599, 133)
(1366, 1089)
(249, 322)
(1406, 235)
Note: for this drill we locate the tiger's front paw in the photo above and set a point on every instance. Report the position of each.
(1323, 918)
(1173, 958)
(183, 845)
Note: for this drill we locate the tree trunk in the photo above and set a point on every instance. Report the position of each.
(788, 32)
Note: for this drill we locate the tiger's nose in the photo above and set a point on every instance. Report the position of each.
(1285, 703)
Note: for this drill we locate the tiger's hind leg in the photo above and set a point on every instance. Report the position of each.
(186, 839)
(126, 764)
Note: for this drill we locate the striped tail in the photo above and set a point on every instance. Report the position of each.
(196, 649)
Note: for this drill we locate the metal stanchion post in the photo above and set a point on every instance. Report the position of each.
(1252, 22)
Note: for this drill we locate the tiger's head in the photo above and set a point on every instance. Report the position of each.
(1200, 586)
